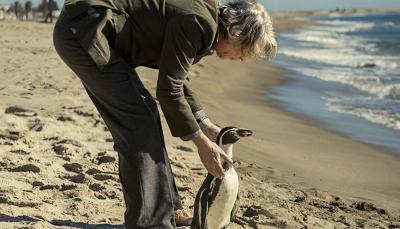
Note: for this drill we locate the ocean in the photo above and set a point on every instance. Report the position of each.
(345, 76)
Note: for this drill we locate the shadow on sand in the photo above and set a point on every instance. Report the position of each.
(68, 223)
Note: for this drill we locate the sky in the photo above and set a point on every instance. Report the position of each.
(288, 5)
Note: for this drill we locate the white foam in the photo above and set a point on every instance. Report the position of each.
(331, 46)
(370, 84)
(391, 24)
(380, 116)
(347, 26)
(325, 37)
(342, 57)
(336, 53)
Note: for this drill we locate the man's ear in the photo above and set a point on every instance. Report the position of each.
(235, 33)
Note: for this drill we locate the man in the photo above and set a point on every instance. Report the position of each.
(103, 41)
(18, 10)
(28, 10)
(50, 6)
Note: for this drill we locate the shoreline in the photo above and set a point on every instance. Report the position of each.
(375, 128)
(317, 123)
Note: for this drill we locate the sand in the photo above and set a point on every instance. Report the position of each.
(58, 168)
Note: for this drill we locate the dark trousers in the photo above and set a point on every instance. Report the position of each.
(131, 115)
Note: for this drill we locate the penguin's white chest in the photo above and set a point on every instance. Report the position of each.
(219, 213)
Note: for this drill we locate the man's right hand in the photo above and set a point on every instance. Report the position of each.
(210, 155)
(210, 129)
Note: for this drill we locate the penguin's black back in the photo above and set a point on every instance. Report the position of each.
(205, 198)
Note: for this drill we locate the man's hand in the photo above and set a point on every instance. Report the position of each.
(210, 129)
(211, 155)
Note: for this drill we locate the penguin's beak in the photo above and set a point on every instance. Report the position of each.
(244, 132)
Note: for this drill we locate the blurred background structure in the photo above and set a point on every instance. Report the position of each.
(44, 11)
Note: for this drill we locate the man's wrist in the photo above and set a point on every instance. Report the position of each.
(200, 139)
(205, 124)
(200, 116)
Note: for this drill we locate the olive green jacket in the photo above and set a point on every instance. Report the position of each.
(169, 35)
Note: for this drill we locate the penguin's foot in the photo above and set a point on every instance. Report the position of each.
(182, 219)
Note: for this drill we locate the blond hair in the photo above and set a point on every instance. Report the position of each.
(257, 37)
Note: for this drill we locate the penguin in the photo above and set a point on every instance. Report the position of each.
(217, 200)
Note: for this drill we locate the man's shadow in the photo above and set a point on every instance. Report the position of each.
(68, 223)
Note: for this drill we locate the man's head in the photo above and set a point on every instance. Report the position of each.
(245, 30)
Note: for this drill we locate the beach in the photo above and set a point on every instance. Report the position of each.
(58, 167)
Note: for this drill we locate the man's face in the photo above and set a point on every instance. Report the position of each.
(229, 49)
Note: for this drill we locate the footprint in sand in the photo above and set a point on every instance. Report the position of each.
(96, 187)
(100, 196)
(183, 189)
(26, 168)
(35, 125)
(89, 115)
(53, 138)
(83, 113)
(71, 142)
(103, 177)
(197, 168)
(10, 135)
(178, 164)
(6, 143)
(19, 111)
(73, 167)
(61, 148)
(93, 171)
(65, 118)
(253, 211)
(66, 158)
(79, 178)
(102, 157)
(30, 87)
(37, 184)
(26, 95)
(20, 151)
(49, 187)
(367, 207)
(6, 201)
(66, 187)
(111, 194)
(184, 148)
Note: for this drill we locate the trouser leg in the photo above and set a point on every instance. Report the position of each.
(132, 117)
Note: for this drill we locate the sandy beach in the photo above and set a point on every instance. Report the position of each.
(58, 168)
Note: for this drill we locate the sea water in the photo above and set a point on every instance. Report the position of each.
(346, 76)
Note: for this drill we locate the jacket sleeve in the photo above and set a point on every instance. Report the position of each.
(194, 102)
(183, 39)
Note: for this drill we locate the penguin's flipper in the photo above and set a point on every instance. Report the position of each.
(235, 208)
(201, 204)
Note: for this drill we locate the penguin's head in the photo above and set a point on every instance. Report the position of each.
(230, 135)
